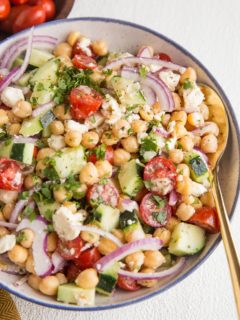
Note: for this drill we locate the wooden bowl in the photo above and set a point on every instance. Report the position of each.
(63, 8)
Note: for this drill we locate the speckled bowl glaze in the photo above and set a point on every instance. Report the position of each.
(125, 36)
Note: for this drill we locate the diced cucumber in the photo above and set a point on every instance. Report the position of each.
(128, 91)
(23, 81)
(130, 178)
(108, 280)
(47, 209)
(22, 152)
(47, 118)
(107, 217)
(130, 224)
(39, 57)
(47, 72)
(6, 148)
(46, 133)
(186, 239)
(42, 93)
(17, 62)
(198, 169)
(31, 127)
(70, 293)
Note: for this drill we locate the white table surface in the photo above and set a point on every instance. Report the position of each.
(210, 30)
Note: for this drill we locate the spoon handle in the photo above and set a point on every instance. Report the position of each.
(230, 249)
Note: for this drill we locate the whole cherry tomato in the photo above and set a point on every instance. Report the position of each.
(4, 9)
(87, 259)
(10, 175)
(7, 24)
(127, 283)
(18, 2)
(84, 62)
(70, 249)
(206, 218)
(48, 6)
(29, 17)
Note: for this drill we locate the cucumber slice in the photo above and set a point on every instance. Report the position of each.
(47, 72)
(42, 93)
(186, 239)
(22, 152)
(70, 293)
(108, 280)
(39, 57)
(47, 209)
(47, 118)
(31, 127)
(107, 217)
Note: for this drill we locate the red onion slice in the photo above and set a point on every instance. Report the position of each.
(18, 208)
(9, 78)
(58, 262)
(149, 95)
(129, 61)
(145, 52)
(42, 262)
(173, 198)
(9, 267)
(21, 139)
(162, 132)
(126, 249)
(155, 275)
(43, 108)
(8, 225)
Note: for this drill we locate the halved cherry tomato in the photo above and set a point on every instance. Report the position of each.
(29, 17)
(7, 24)
(160, 175)
(4, 9)
(84, 102)
(48, 6)
(10, 175)
(87, 259)
(84, 62)
(103, 193)
(127, 283)
(107, 156)
(19, 2)
(77, 49)
(206, 218)
(71, 249)
(164, 56)
(154, 210)
(72, 271)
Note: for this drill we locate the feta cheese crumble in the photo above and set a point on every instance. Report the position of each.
(7, 242)
(11, 96)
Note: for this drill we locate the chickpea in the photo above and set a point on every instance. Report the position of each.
(40, 167)
(187, 199)
(30, 181)
(49, 285)
(120, 156)
(99, 47)
(89, 174)
(57, 127)
(147, 283)
(207, 199)
(44, 153)
(165, 119)
(90, 237)
(196, 140)
(195, 119)
(18, 254)
(7, 197)
(135, 260)
(22, 109)
(30, 264)
(63, 49)
(130, 144)
(4, 119)
(177, 101)
(183, 169)
(61, 113)
(156, 107)
(184, 185)
(1, 216)
(52, 240)
(209, 143)
(119, 234)
(139, 126)
(176, 155)
(185, 211)
(14, 129)
(87, 279)
(162, 234)
(211, 127)
(34, 281)
(73, 37)
(73, 138)
(12, 117)
(179, 130)
(61, 278)
(179, 116)
(7, 210)
(189, 74)
(71, 206)
(108, 138)
(120, 128)
(104, 169)
(90, 139)
(4, 231)
(197, 203)
(187, 143)
(172, 222)
(28, 236)
(60, 194)
(146, 115)
(137, 234)
(97, 76)
(204, 110)
(153, 259)
(106, 246)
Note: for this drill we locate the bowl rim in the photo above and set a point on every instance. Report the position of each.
(234, 119)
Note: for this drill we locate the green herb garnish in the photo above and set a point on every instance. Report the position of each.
(187, 84)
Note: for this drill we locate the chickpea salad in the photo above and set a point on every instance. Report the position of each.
(106, 163)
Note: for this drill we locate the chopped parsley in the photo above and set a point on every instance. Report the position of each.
(148, 145)
(187, 84)
(100, 152)
(159, 202)
(107, 72)
(143, 71)
(4, 136)
(30, 213)
(160, 216)
(24, 195)
(20, 237)
(50, 228)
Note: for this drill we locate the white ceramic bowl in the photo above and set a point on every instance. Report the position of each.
(125, 36)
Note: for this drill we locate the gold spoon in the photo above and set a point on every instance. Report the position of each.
(218, 114)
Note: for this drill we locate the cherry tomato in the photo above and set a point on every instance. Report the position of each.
(35, 152)
(106, 154)
(127, 283)
(77, 49)
(87, 259)
(7, 24)
(164, 56)
(72, 271)
(18, 2)
(141, 194)
(48, 6)
(154, 210)
(10, 175)
(84, 102)
(103, 193)
(70, 249)
(206, 218)
(160, 175)
(29, 17)
(4, 9)
(84, 62)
